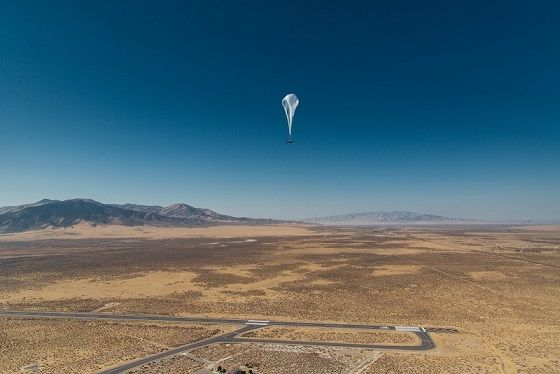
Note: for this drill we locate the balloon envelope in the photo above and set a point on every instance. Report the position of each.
(290, 103)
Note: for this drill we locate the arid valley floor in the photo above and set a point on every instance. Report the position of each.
(497, 286)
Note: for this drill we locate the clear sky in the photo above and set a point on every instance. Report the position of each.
(445, 107)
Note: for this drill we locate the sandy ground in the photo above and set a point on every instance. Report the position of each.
(395, 270)
(281, 359)
(346, 335)
(498, 286)
(87, 231)
(71, 346)
(151, 284)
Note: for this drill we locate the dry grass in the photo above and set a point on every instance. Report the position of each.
(346, 335)
(417, 363)
(157, 283)
(71, 346)
(88, 231)
(280, 359)
(497, 285)
(395, 270)
(174, 364)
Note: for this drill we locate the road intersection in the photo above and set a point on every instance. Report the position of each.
(236, 336)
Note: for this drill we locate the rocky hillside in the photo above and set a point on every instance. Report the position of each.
(56, 213)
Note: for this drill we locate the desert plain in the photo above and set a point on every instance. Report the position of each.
(488, 295)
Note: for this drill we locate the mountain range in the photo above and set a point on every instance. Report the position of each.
(65, 213)
(393, 217)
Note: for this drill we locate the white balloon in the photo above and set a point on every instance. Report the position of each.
(290, 103)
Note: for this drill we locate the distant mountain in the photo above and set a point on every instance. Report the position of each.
(6, 209)
(56, 213)
(394, 217)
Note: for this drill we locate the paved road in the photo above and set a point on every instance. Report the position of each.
(426, 343)
(112, 317)
(235, 336)
(172, 352)
(148, 317)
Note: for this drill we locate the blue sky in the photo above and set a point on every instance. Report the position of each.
(441, 107)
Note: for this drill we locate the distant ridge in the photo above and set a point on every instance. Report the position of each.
(65, 213)
(393, 217)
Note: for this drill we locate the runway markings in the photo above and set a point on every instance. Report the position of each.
(255, 322)
(236, 335)
(408, 328)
